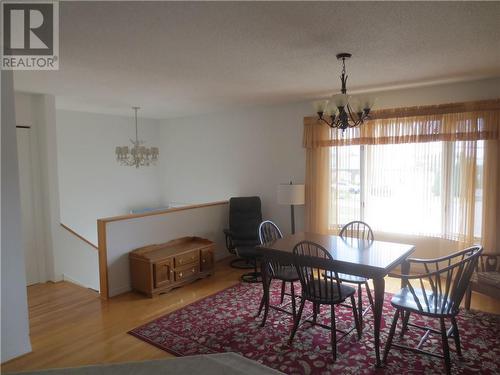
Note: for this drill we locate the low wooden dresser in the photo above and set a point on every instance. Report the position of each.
(157, 269)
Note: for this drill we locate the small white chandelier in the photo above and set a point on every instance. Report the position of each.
(343, 111)
(138, 155)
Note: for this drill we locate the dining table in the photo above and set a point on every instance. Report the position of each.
(352, 256)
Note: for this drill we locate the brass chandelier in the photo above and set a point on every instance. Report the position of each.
(343, 111)
(138, 155)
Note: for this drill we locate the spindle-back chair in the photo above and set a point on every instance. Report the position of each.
(321, 286)
(437, 293)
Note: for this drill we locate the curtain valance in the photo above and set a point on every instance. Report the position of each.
(450, 122)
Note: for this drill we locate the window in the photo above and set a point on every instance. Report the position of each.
(413, 188)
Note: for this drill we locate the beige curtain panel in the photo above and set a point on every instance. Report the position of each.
(466, 122)
(318, 177)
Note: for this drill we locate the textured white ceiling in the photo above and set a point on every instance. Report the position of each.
(184, 58)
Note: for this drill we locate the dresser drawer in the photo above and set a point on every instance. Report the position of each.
(186, 272)
(186, 258)
(161, 271)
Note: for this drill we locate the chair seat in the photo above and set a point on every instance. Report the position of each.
(286, 273)
(245, 242)
(489, 278)
(434, 305)
(247, 252)
(320, 292)
(352, 279)
(349, 278)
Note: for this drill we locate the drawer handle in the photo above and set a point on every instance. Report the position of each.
(180, 274)
(204, 261)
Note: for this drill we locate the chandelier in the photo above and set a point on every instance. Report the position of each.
(343, 111)
(138, 155)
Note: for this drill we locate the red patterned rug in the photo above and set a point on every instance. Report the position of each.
(225, 322)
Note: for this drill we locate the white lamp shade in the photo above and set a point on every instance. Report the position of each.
(291, 194)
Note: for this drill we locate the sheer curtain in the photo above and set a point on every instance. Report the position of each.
(345, 204)
(403, 188)
(432, 170)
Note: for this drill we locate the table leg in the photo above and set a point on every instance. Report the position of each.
(265, 286)
(379, 289)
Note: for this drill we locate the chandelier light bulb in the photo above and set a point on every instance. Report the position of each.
(340, 100)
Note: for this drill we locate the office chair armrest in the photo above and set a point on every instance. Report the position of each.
(229, 242)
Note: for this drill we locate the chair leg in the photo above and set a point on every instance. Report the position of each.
(333, 333)
(360, 306)
(391, 335)
(446, 348)
(315, 312)
(297, 321)
(262, 299)
(456, 336)
(468, 297)
(356, 319)
(292, 292)
(283, 286)
(369, 294)
(405, 317)
(261, 306)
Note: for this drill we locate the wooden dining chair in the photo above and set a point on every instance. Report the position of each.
(448, 278)
(361, 231)
(321, 286)
(486, 278)
(268, 232)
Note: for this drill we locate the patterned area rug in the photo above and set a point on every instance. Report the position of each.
(225, 322)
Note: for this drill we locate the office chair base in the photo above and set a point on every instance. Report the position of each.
(241, 263)
(251, 277)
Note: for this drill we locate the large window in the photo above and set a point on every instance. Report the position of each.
(413, 188)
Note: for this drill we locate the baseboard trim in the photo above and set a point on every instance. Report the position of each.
(65, 277)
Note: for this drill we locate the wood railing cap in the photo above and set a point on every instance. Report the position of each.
(160, 212)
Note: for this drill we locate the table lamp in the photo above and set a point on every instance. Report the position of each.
(292, 195)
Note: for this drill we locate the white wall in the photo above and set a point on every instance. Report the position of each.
(76, 261)
(91, 182)
(127, 235)
(248, 152)
(251, 151)
(14, 321)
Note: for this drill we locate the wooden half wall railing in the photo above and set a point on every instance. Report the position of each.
(79, 236)
(102, 241)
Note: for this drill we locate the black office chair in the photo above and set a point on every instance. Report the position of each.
(268, 232)
(448, 278)
(242, 237)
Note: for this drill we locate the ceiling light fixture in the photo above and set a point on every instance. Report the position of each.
(343, 111)
(139, 155)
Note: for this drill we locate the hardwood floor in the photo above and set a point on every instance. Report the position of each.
(71, 326)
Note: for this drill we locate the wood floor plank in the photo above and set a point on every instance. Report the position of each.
(71, 326)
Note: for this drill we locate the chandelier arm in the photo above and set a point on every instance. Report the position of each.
(333, 124)
(350, 112)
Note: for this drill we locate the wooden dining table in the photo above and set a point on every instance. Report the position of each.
(370, 259)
